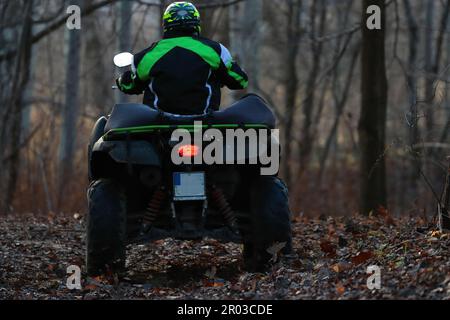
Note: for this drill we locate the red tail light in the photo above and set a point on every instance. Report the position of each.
(188, 151)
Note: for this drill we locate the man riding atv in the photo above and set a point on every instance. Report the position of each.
(138, 193)
(183, 72)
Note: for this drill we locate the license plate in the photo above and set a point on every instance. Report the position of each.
(188, 186)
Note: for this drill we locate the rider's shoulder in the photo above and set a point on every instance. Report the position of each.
(138, 56)
(221, 50)
(210, 43)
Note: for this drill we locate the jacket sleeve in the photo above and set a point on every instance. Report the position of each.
(138, 79)
(230, 73)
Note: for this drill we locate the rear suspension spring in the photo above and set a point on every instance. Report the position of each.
(153, 209)
(218, 197)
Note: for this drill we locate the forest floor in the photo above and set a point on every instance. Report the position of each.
(330, 262)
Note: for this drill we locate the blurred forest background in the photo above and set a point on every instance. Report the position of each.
(364, 114)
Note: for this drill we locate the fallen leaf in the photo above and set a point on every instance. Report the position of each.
(341, 266)
(382, 211)
(213, 283)
(340, 289)
(390, 221)
(51, 267)
(436, 234)
(362, 257)
(90, 287)
(327, 247)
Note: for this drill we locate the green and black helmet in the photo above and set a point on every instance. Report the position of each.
(181, 16)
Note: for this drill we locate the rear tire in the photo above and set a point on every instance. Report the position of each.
(106, 228)
(270, 222)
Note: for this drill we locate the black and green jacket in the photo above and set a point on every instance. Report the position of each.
(184, 74)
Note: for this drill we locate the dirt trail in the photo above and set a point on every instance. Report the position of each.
(330, 262)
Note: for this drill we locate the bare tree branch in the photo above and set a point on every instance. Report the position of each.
(55, 25)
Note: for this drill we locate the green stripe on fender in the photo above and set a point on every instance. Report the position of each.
(152, 128)
(164, 46)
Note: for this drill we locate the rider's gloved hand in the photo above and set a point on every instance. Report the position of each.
(129, 83)
(125, 81)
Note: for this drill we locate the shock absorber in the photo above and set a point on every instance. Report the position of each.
(218, 197)
(153, 209)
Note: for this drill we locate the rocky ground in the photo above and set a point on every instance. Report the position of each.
(330, 262)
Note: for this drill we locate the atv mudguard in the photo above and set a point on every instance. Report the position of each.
(132, 152)
(96, 134)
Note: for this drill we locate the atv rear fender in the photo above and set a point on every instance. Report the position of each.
(104, 156)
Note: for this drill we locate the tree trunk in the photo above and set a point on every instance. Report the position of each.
(235, 16)
(21, 76)
(124, 30)
(444, 208)
(98, 99)
(70, 112)
(340, 106)
(252, 25)
(306, 141)
(372, 123)
(429, 81)
(291, 83)
(415, 164)
(445, 132)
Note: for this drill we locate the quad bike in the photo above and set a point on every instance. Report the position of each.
(137, 194)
